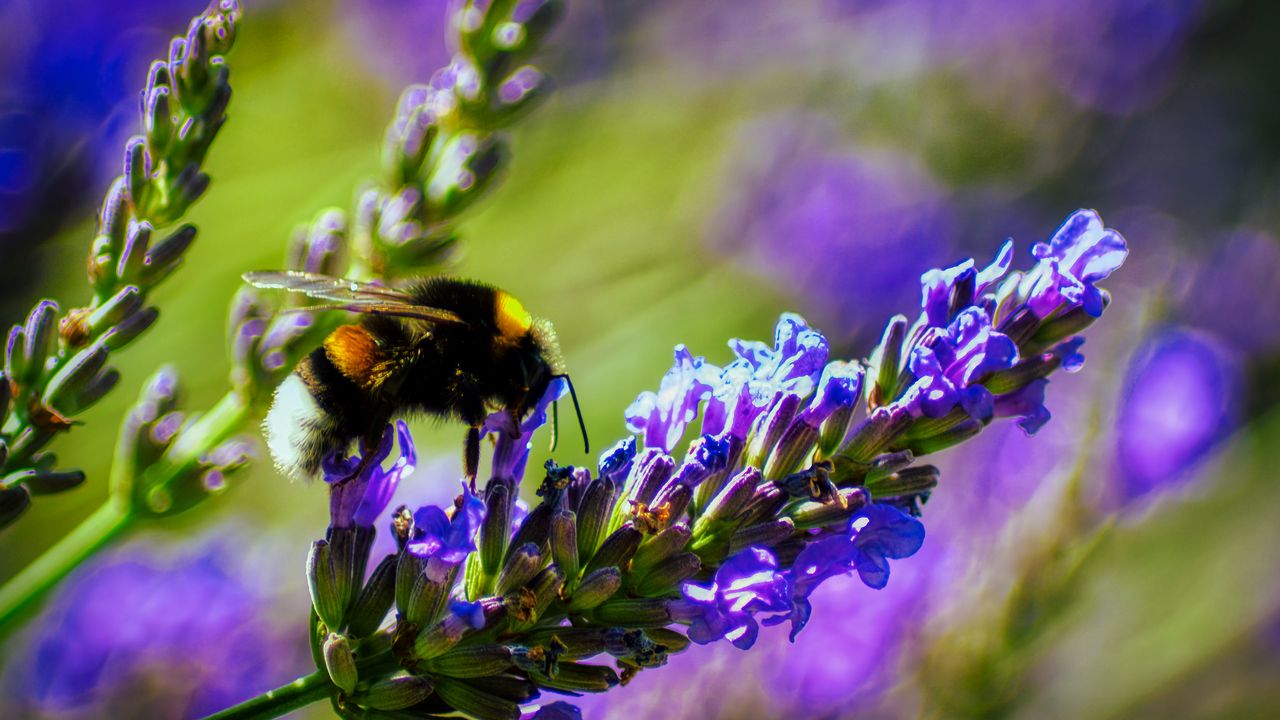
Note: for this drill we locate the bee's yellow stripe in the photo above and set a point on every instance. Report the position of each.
(513, 320)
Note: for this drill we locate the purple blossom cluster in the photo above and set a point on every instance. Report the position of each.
(804, 471)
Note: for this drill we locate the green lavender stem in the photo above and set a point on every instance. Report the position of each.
(286, 698)
(130, 502)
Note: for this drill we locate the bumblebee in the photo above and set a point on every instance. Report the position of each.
(439, 346)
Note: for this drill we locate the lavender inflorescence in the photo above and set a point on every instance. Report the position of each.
(439, 158)
(56, 363)
(804, 469)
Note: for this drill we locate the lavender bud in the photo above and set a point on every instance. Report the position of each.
(441, 637)
(674, 500)
(119, 306)
(659, 547)
(795, 445)
(496, 526)
(765, 534)
(810, 515)
(137, 169)
(522, 564)
(564, 544)
(428, 598)
(15, 366)
(907, 482)
(546, 589)
(133, 256)
(633, 613)
(593, 515)
(92, 392)
(616, 462)
(616, 549)
(535, 527)
(956, 435)
(38, 338)
(74, 376)
(409, 568)
(927, 427)
(340, 662)
(13, 502)
(887, 361)
(322, 583)
(668, 574)
(467, 167)
(595, 588)
(575, 677)
(473, 702)
(471, 661)
(130, 328)
(834, 430)
(1022, 374)
(113, 219)
(887, 464)
(728, 504)
(167, 255)
(157, 119)
(650, 475)
(770, 432)
(397, 693)
(880, 428)
(673, 641)
(375, 599)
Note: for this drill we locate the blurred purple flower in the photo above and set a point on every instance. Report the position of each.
(1240, 273)
(400, 40)
(839, 227)
(361, 499)
(746, 585)
(137, 636)
(1181, 398)
(1120, 55)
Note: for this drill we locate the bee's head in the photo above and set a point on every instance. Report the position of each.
(543, 361)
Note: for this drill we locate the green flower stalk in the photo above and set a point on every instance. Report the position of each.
(57, 363)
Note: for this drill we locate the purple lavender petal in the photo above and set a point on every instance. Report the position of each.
(1181, 400)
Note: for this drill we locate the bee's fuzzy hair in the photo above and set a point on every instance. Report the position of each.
(295, 429)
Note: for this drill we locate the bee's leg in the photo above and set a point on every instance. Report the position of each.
(471, 455)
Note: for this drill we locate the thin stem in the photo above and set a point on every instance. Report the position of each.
(274, 703)
(35, 579)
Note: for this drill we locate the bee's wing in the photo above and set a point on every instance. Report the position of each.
(349, 295)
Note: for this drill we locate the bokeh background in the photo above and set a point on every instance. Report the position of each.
(702, 167)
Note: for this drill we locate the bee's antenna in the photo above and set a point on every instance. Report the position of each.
(555, 416)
